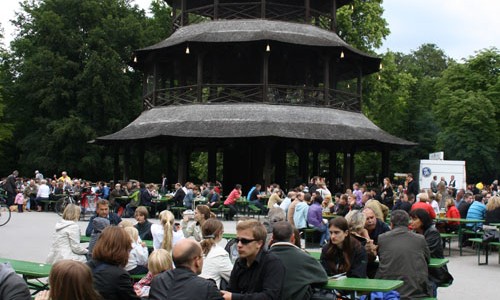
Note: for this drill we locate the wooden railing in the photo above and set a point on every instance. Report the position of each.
(253, 93)
(252, 10)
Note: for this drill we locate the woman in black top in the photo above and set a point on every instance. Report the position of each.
(343, 253)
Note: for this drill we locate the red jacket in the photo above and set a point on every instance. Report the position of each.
(453, 213)
(426, 206)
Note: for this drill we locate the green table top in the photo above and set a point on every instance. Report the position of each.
(86, 239)
(229, 235)
(162, 199)
(459, 220)
(28, 268)
(434, 262)
(437, 262)
(363, 284)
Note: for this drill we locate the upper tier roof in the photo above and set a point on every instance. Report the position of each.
(234, 31)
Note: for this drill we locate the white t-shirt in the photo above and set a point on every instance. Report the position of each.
(157, 233)
(43, 191)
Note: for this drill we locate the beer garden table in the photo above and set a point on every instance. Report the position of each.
(460, 228)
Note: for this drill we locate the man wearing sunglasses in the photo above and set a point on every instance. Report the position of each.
(257, 274)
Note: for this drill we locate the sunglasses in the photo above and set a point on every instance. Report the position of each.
(244, 241)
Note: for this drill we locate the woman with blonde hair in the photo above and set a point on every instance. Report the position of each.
(216, 263)
(160, 260)
(109, 257)
(493, 210)
(166, 235)
(66, 239)
(70, 280)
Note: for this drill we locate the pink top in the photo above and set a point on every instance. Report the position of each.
(231, 199)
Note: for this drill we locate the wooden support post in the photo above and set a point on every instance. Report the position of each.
(116, 163)
(141, 151)
(212, 163)
(216, 9)
(126, 163)
(307, 6)
(303, 162)
(199, 77)
(265, 75)
(333, 16)
(332, 168)
(347, 170)
(182, 162)
(385, 162)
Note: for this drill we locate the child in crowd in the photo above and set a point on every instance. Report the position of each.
(138, 256)
(19, 200)
(98, 225)
(160, 260)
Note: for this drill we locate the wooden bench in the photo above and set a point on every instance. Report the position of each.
(50, 202)
(308, 234)
(254, 210)
(479, 243)
(31, 272)
(177, 211)
(448, 237)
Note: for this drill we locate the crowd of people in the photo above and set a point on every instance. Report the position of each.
(190, 259)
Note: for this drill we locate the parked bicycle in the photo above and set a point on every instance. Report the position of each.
(5, 213)
(61, 204)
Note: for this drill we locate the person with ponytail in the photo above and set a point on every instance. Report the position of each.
(165, 234)
(216, 262)
(193, 229)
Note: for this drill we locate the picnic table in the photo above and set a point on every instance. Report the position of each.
(433, 263)
(159, 201)
(329, 216)
(460, 228)
(31, 272)
(86, 239)
(354, 285)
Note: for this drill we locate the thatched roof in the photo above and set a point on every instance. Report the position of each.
(254, 120)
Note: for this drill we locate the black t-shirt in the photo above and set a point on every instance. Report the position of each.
(253, 195)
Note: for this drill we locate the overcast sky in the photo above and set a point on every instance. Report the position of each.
(459, 27)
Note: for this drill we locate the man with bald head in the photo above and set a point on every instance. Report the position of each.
(183, 282)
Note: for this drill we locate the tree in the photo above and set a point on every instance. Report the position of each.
(401, 101)
(467, 109)
(70, 82)
(362, 25)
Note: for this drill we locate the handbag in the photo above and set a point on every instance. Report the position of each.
(441, 276)
(491, 235)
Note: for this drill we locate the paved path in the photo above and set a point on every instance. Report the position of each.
(28, 237)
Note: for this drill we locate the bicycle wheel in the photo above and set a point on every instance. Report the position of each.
(4, 214)
(60, 205)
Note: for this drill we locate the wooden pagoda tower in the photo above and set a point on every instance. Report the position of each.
(254, 80)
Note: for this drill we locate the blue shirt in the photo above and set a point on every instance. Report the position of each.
(476, 211)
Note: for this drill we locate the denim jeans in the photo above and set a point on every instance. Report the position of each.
(325, 234)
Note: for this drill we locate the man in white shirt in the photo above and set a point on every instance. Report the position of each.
(42, 194)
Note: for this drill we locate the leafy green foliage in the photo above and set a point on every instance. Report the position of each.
(467, 110)
(70, 81)
(362, 25)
